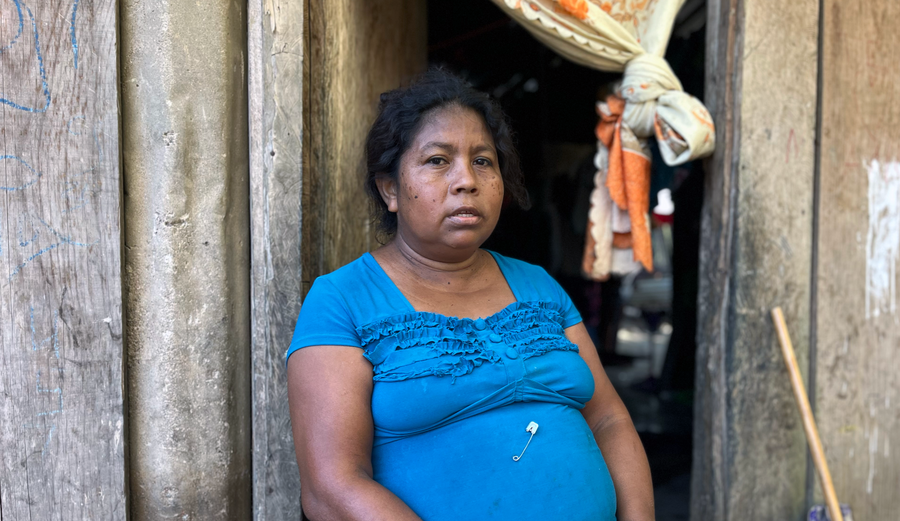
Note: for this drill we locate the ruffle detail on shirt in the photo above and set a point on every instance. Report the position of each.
(413, 345)
(415, 321)
(536, 330)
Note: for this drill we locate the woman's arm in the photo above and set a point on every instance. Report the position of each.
(330, 394)
(618, 441)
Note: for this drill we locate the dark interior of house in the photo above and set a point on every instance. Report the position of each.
(643, 325)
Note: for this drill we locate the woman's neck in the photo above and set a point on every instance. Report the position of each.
(405, 259)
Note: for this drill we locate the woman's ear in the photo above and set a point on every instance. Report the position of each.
(388, 189)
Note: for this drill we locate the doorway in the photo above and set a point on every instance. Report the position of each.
(644, 325)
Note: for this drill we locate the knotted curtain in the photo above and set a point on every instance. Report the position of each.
(628, 36)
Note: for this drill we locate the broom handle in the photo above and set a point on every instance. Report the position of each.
(809, 423)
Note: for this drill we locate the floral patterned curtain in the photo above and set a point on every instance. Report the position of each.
(628, 36)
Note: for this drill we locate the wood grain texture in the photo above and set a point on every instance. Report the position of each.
(61, 423)
(275, 46)
(858, 326)
(355, 50)
(724, 44)
(756, 254)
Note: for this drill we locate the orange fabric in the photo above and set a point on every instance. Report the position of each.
(628, 179)
(576, 8)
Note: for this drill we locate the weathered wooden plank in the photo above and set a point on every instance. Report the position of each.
(276, 154)
(858, 326)
(61, 425)
(187, 258)
(722, 97)
(356, 50)
(756, 255)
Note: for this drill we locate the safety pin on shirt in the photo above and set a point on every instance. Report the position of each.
(532, 428)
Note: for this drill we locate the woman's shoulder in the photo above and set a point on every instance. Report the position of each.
(360, 287)
(532, 283)
(348, 273)
(339, 302)
(512, 267)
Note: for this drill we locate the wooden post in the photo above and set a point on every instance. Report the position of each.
(857, 386)
(276, 56)
(749, 449)
(62, 441)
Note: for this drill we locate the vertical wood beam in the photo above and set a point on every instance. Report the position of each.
(858, 326)
(749, 452)
(276, 57)
(184, 115)
(62, 445)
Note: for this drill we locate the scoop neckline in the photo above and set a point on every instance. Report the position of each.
(372, 262)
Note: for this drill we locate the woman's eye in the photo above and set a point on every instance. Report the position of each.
(483, 161)
(437, 160)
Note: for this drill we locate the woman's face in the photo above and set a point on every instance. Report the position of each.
(449, 189)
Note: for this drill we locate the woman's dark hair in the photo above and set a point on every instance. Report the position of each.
(402, 112)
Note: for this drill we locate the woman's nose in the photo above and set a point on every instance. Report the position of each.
(465, 180)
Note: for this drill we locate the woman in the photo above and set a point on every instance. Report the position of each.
(415, 370)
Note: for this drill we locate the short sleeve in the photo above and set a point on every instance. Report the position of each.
(530, 282)
(325, 319)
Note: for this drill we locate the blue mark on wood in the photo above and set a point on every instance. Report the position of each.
(20, 230)
(21, 28)
(40, 58)
(36, 174)
(72, 33)
(43, 389)
(57, 391)
(69, 124)
(46, 447)
(53, 339)
(61, 239)
(77, 190)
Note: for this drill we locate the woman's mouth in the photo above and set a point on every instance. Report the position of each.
(465, 215)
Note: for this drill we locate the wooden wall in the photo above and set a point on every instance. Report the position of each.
(316, 69)
(62, 436)
(814, 229)
(857, 370)
(750, 454)
(356, 50)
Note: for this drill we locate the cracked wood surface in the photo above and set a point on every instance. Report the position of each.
(62, 445)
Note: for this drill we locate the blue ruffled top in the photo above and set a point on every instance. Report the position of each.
(452, 396)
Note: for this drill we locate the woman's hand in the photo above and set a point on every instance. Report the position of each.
(615, 435)
(330, 394)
